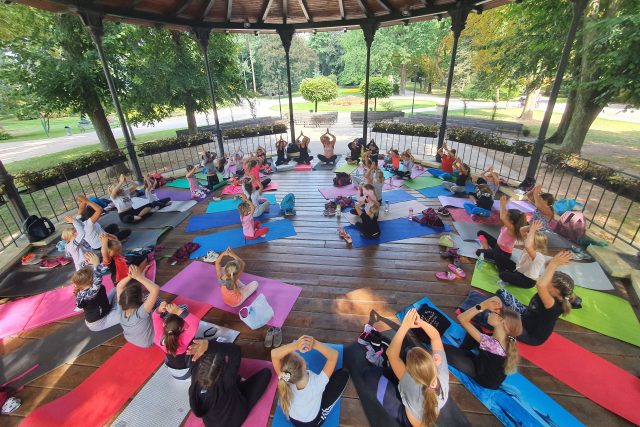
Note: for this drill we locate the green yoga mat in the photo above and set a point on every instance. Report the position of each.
(183, 183)
(423, 182)
(346, 168)
(601, 312)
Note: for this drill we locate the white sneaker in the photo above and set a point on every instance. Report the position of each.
(211, 256)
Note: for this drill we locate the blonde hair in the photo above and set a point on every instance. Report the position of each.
(374, 209)
(68, 234)
(114, 188)
(292, 371)
(513, 327)
(231, 269)
(244, 208)
(380, 176)
(540, 240)
(115, 247)
(564, 284)
(422, 368)
(83, 277)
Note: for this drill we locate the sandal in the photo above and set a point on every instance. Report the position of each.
(457, 270)
(446, 276)
(347, 238)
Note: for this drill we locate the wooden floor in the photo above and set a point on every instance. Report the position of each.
(340, 286)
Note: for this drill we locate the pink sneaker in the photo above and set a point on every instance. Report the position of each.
(63, 260)
(49, 263)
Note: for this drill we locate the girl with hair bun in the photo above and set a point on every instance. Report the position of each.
(173, 334)
(233, 291)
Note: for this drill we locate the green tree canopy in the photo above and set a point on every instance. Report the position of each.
(379, 87)
(318, 89)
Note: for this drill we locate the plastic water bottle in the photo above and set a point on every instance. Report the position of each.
(410, 214)
(338, 211)
(386, 206)
(480, 262)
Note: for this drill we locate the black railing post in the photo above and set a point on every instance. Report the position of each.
(458, 23)
(286, 36)
(202, 36)
(93, 23)
(12, 193)
(369, 31)
(578, 10)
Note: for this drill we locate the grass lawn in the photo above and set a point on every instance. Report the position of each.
(355, 105)
(30, 130)
(42, 162)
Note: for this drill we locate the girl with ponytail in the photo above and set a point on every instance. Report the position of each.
(306, 398)
(233, 291)
(553, 299)
(217, 394)
(498, 354)
(174, 329)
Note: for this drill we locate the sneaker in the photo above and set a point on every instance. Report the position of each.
(443, 211)
(49, 264)
(211, 257)
(10, 405)
(63, 260)
(277, 337)
(268, 339)
(30, 259)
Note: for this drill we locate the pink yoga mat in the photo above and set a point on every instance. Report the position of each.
(15, 315)
(259, 415)
(598, 380)
(458, 202)
(302, 167)
(198, 281)
(237, 189)
(460, 215)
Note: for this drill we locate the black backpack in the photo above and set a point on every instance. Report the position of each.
(37, 229)
(341, 179)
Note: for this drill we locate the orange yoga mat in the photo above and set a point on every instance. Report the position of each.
(101, 396)
(598, 380)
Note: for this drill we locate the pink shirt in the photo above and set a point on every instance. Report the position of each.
(193, 183)
(505, 240)
(188, 334)
(247, 225)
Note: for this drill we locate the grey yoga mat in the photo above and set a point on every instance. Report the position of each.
(469, 230)
(52, 351)
(175, 206)
(466, 248)
(156, 220)
(142, 238)
(32, 280)
(319, 166)
(210, 331)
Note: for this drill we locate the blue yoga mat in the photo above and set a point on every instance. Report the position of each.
(315, 362)
(221, 219)
(396, 196)
(439, 173)
(470, 187)
(518, 402)
(392, 230)
(434, 192)
(232, 204)
(234, 238)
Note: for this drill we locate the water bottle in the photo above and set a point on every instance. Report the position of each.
(410, 214)
(338, 211)
(386, 206)
(480, 262)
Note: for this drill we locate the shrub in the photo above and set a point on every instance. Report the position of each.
(481, 139)
(430, 131)
(318, 89)
(379, 87)
(386, 105)
(250, 131)
(4, 135)
(170, 144)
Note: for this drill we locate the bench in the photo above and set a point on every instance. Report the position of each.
(357, 117)
(328, 118)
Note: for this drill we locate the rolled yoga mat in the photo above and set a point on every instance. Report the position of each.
(393, 230)
(232, 204)
(601, 312)
(315, 362)
(222, 219)
(518, 402)
(199, 281)
(33, 280)
(396, 210)
(259, 415)
(155, 220)
(99, 398)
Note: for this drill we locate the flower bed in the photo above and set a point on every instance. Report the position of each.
(488, 141)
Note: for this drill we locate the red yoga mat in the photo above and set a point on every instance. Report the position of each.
(107, 390)
(600, 381)
(302, 167)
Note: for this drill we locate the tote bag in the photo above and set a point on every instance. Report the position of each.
(257, 314)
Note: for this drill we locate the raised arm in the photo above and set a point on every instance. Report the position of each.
(329, 353)
(543, 285)
(529, 241)
(410, 321)
(494, 304)
(540, 203)
(154, 290)
(504, 215)
(239, 260)
(104, 248)
(190, 173)
(277, 354)
(97, 209)
(116, 189)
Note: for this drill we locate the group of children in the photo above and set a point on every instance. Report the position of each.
(298, 150)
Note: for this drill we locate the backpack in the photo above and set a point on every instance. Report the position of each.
(430, 218)
(293, 150)
(345, 202)
(288, 205)
(341, 179)
(571, 225)
(37, 229)
(565, 205)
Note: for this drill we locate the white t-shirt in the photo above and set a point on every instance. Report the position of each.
(532, 268)
(122, 203)
(92, 232)
(306, 402)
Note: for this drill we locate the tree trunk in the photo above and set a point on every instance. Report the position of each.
(101, 124)
(253, 71)
(403, 79)
(529, 102)
(316, 107)
(429, 88)
(375, 104)
(133, 136)
(191, 117)
(586, 111)
(559, 134)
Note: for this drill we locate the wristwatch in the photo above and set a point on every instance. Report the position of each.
(478, 307)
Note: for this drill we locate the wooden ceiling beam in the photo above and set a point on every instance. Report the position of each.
(265, 12)
(229, 7)
(305, 10)
(134, 3)
(207, 9)
(341, 3)
(181, 7)
(364, 8)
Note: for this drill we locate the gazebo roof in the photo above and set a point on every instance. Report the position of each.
(262, 15)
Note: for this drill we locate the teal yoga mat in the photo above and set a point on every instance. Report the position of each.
(234, 238)
(232, 204)
(423, 182)
(601, 312)
(183, 183)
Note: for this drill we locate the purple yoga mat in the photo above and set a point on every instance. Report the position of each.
(199, 281)
(177, 195)
(458, 202)
(331, 193)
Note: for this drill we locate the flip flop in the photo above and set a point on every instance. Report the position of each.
(447, 276)
(347, 238)
(457, 270)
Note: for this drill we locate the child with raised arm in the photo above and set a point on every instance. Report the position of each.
(482, 199)
(530, 266)
(121, 197)
(114, 260)
(497, 354)
(306, 398)
(328, 141)
(464, 174)
(135, 314)
(373, 150)
(544, 206)
(100, 309)
(260, 205)
(354, 151)
(448, 157)
(197, 190)
(173, 334)
(303, 144)
(150, 185)
(492, 179)
(233, 291)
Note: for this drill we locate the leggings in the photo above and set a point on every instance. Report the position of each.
(387, 394)
(332, 393)
(451, 186)
(472, 209)
(257, 231)
(115, 230)
(265, 182)
(212, 180)
(254, 387)
(461, 359)
(517, 279)
(502, 258)
(326, 159)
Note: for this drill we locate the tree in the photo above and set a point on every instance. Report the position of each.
(327, 47)
(379, 87)
(318, 89)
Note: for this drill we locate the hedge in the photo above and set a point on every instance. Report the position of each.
(251, 131)
(619, 183)
(488, 141)
(170, 144)
(429, 131)
(82, 165)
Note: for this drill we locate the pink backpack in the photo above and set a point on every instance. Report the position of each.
(571, 225)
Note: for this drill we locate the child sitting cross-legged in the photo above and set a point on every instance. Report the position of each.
(100, 309)
(251, 228)
(198, 191)
(233, 291)
(174, 330)
(531, 264)
(482, 200)
(464, 173)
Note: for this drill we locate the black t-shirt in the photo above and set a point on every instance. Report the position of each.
(489, 369)
(485, 200)
(97, 307)
(461, 180)
(369, 226)
(539, 321)
(355, 151)
(373, 148)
